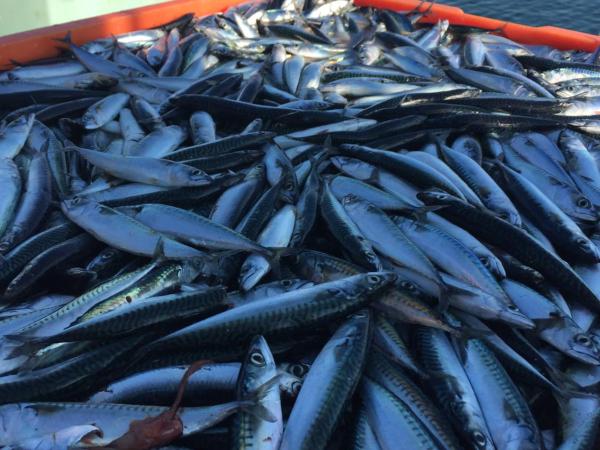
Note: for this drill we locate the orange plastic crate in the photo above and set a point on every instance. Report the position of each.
(39, 43)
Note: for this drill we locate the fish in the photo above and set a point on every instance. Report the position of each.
(333, 377)
(258, 376)
(337, 226)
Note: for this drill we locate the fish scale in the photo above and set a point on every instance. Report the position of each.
(399, 384)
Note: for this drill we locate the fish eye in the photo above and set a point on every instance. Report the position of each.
(288, 186)
(478, 438)
(512, 308)
(373, 278)
(455, 407)
(441, 196)
(107, 255)
(408, 285)
(486, 262)
(76, 200)
(298, 370)
(197, 173)
(582, 339)
(257, 359)
(296, 386)
(583, 202)
(581, 241)
(286, 283)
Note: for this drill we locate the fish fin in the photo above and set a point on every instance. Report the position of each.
(258, 410)
(459, 345)
(328, 146)
(17, 338)
(66, 40)
(274, 255)
(159, 250)
(466, 333)
(443, 301)
(28, 347)
(542, 324)
(420, 214)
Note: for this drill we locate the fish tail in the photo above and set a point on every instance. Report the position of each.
(66, 40)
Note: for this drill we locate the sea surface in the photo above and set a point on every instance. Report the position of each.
(580, 15)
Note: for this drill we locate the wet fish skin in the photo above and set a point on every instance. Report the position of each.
(306, 208)
(396, 382)
(44, 262)
(10, 180)
(147, 170)
(408, 168)
(345, 230)
(218, 378)
(14, 136)
(104, 111)
(35, 201)
(190, 227)
(329, 385)
(565, 233)
(114, 228)
(518, 243)
(28, 386)
(254, 314)
(389, 240)
(451, 385)
(478, 180)
(257, 370)
(555, 327)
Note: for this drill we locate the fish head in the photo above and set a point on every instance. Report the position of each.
(354, 167)
(288, 187)
(434, 197)
(584, 347)
(258, 367)
(374, 281)
(479, 440)
(369, 53)
(407, 288)
(583, 208)
(351, 201)
(573, 90)
(191, 175)
(298, 369)
(511, 314)
(292, 284)
(289, 384)
(587, 247)
(470, 420)
(76, 206)
(494, 265)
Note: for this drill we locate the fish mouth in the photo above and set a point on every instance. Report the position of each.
(585, 355)
(585, 358)
(517, 319)
(584, 215)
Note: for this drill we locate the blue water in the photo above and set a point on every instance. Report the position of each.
(581, 15)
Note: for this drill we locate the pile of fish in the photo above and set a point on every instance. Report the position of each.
(301, 225)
